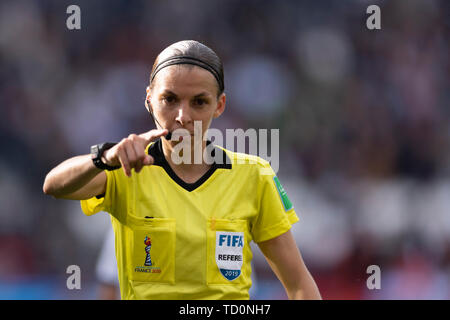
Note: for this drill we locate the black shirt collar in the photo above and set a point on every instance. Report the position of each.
(155, 150)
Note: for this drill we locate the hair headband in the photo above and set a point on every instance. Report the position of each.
(188, 60)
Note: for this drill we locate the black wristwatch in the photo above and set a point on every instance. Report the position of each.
(97, 153)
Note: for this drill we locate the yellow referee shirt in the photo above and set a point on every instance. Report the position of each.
(176, 240)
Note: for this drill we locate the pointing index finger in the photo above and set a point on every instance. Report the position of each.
(154, 134)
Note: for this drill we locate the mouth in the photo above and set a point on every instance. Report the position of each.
(181, 138)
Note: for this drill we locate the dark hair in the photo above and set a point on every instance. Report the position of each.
(193, 53)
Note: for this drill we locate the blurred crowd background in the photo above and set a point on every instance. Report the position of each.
(363, 118)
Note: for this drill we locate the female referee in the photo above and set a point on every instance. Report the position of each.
(183, 229)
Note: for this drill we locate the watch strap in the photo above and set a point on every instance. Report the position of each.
(97, 153)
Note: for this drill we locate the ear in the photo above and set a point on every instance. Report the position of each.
(147, 104)
(220, 105)
(147, 100)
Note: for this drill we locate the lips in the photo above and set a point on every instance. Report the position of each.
(184, 129)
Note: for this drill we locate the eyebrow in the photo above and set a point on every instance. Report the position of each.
(202, 94)
(167, 92)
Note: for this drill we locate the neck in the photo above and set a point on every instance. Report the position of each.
(191, 164)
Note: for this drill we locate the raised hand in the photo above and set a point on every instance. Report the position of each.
(130, 152)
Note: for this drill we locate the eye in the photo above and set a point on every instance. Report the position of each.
(168, 99)
(200, 101)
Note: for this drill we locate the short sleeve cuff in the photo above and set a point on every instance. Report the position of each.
(292, 217)
(96, 204)
(274, 231)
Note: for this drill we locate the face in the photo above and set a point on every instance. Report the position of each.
(182, 94)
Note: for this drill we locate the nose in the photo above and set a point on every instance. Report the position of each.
(183, 116)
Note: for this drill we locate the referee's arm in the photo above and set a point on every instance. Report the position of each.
(76, 178)
(79, 179)
(285, 259)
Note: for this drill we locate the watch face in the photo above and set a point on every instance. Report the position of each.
(94, 152)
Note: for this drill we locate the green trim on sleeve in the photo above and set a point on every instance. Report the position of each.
(287, 204)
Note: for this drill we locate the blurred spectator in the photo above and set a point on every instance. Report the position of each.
(106, 270)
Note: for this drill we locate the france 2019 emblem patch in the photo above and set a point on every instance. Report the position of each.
(229, 253)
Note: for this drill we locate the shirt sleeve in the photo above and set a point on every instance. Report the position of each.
(110, 201)
(276, 212)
